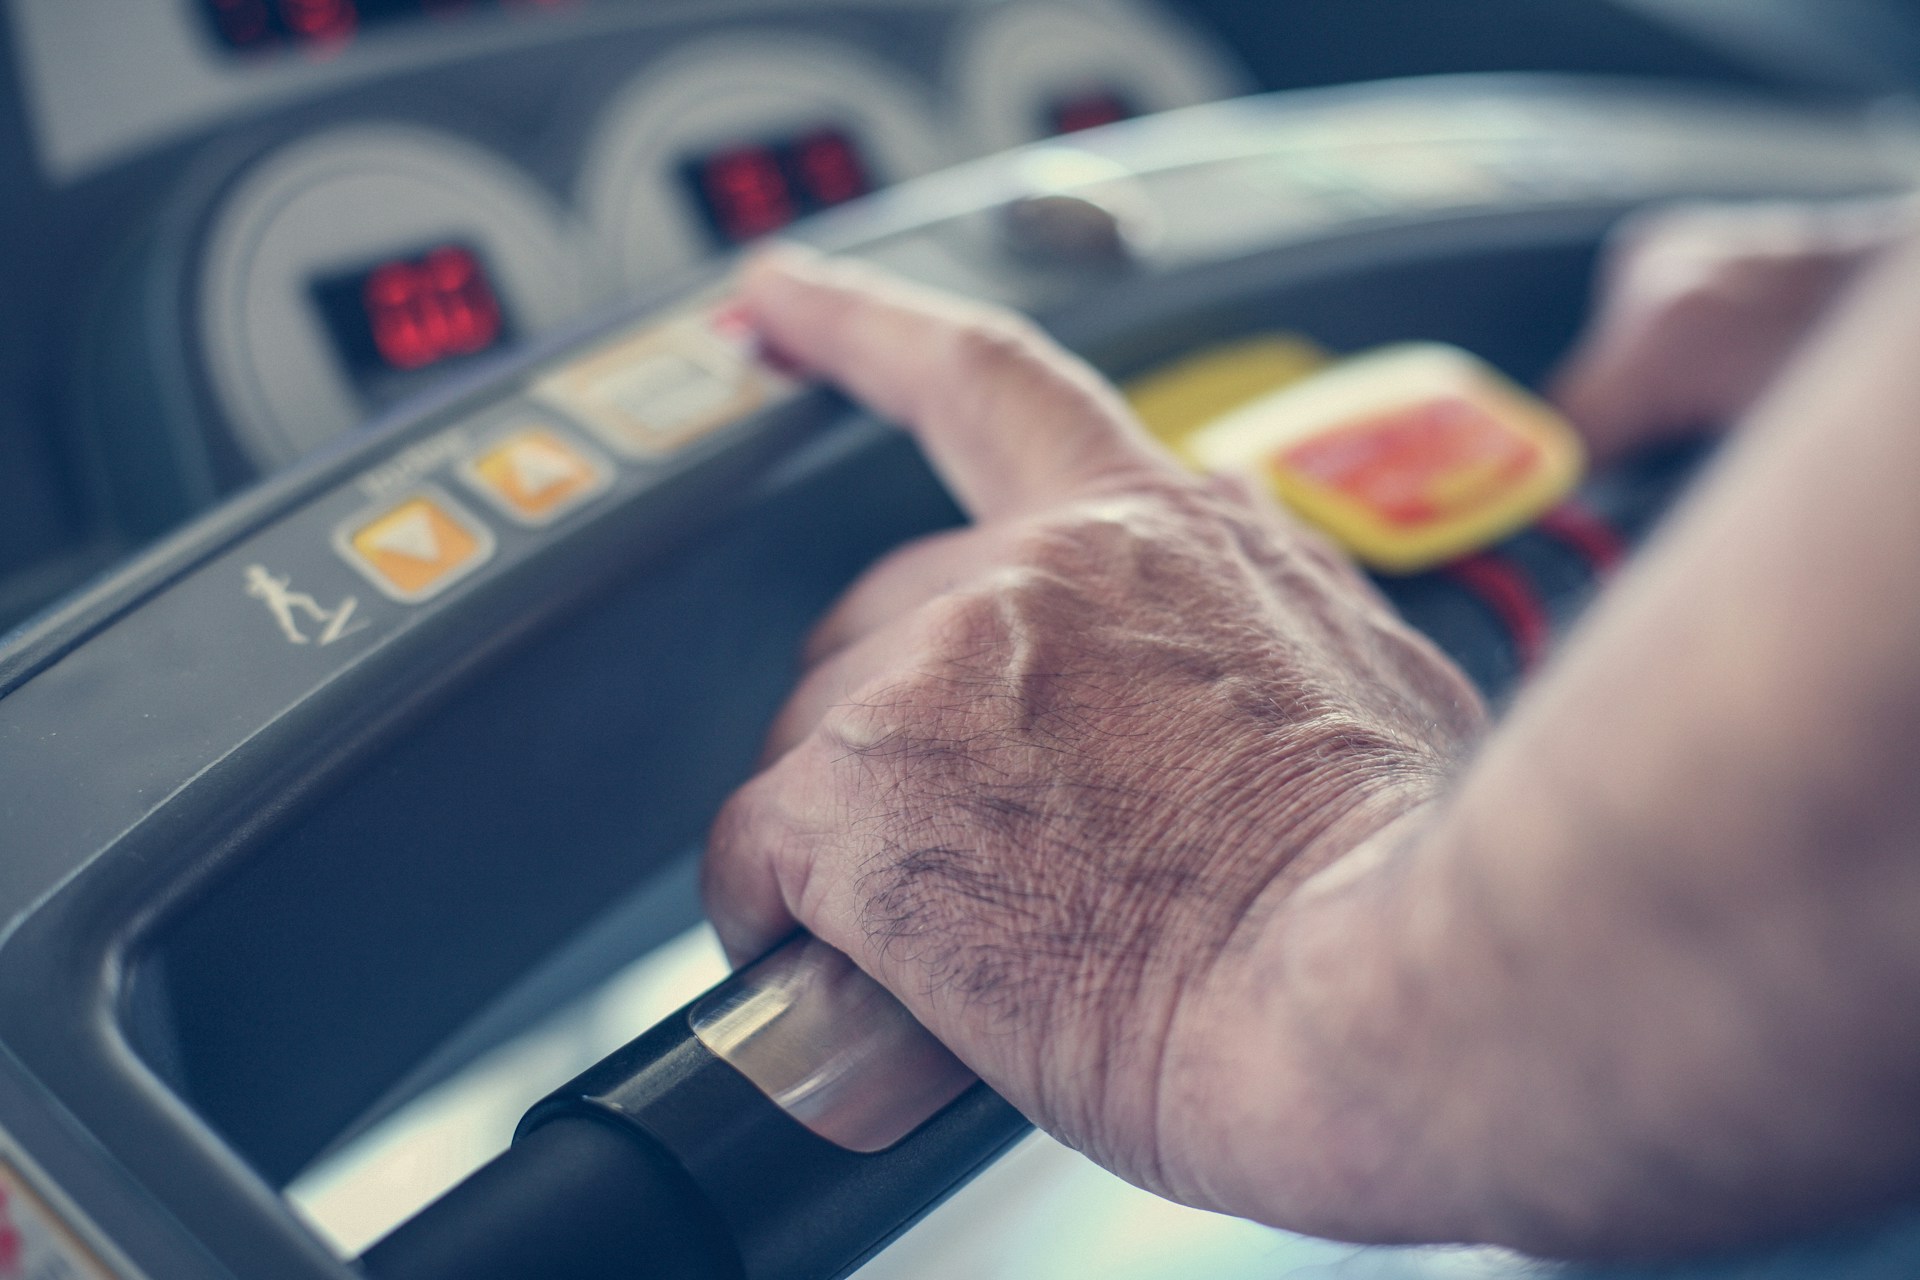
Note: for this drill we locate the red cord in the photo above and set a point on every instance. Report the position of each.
(1579, 528)
(1506, 591)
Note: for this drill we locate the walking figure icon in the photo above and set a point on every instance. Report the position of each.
(283, 602)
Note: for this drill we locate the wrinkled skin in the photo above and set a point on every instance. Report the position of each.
(1141, 800)
(1038, 770)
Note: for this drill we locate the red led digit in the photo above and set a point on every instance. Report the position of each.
(748, 192)
(13, 1248)
(472, 314)
(325, 21)
(323, 28)
(398, 331)
(1090, 111)
(830, 169)
(425, 311)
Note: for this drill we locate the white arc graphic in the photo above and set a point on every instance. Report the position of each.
(538, 468)
(411, 536)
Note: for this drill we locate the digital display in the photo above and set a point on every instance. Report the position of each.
(1088, 110)
(411, 313)
(754, 189)
(326, 25)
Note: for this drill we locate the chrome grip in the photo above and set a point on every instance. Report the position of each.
(830, 1046)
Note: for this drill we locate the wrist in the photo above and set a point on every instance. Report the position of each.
(1290, 1079)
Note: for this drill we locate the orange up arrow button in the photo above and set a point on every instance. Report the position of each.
(536, 474)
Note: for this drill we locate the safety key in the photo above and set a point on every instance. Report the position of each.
(1409, 456)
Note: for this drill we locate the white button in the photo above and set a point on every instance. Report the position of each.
(650, 392)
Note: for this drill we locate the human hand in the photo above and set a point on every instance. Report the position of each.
(1040, 770)
(1699, 308)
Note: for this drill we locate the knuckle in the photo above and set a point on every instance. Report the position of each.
(735, 832)
(1738, 281)
(1684, 229)
(937, 694)
(890, 719)
(1237, 491)
(1048, 594)
(1088, 533)
(729, 825)
(996, 345)
(1174, 489)
(1057, 544)
(790, 725)
(759, 839)
(1148, 541)
(973, 619)
(731, 866)
(1689, 305)
(862, 721)
(796, 867)
(826, 637)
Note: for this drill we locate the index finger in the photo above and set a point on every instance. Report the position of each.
(1011, 421)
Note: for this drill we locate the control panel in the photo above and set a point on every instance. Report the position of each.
(252, 226)
(347, 264)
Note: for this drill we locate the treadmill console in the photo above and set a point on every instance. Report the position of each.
(451, 694)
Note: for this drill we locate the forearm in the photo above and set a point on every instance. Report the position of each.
(1642, 983)
(1139, 800)
(1617, 1063)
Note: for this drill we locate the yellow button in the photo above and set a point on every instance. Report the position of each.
(1409, 456)
(1176, 400)
(416, 548)
(536, 474)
